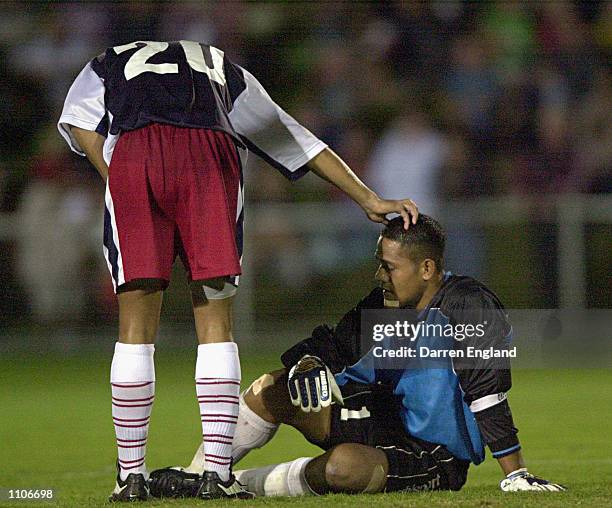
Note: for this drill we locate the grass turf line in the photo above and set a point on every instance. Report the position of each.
(56, 431)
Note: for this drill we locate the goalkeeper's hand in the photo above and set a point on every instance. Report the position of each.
(522, 480)
(312, 385)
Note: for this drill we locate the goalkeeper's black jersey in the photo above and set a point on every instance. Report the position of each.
(483, 385)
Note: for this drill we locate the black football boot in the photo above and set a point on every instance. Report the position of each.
(213, 488)
(133, 488)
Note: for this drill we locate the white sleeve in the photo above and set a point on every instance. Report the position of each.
(270, 132)
(84, 106)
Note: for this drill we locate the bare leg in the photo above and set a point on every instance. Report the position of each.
(139, 311)
(213, 318)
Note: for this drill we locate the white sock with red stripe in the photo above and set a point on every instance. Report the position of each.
(133, 392)
(218, 388)
(252, 431)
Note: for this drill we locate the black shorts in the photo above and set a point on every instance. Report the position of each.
(371, 417)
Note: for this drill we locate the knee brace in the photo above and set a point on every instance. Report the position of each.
(219, 288)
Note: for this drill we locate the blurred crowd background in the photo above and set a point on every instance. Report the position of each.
(448, 102)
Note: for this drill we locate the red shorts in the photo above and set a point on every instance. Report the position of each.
(173, 191)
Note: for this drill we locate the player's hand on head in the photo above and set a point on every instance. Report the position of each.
(378, 209)
(312, 385)
(521, 480)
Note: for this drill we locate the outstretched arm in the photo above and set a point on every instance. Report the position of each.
(272, 134)
(329, 166)
(485, 383)
(497, 428)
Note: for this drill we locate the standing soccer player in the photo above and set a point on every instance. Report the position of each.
(167, 125)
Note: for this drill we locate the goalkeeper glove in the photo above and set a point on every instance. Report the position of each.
(312, 385)
(522, 480)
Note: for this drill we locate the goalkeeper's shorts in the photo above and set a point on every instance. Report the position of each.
(372, 418)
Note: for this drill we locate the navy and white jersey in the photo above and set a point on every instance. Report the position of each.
(460, 408)
(187, 84)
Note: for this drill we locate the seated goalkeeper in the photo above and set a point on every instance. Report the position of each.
(383, 429)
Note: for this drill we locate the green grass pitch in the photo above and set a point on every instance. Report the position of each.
(56, 431)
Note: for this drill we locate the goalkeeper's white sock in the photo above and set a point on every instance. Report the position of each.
(252, 431)
(133, 391)
(218, 388)
(287, 479)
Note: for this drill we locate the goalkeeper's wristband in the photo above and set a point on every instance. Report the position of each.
(498, 430)
(505, 446)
